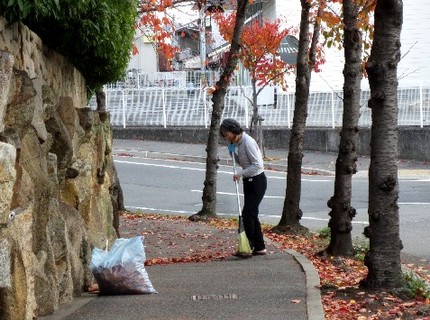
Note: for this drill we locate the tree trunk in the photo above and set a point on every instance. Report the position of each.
(209, 189)
(256, 128)
(291, 213)
(383, 257)
(342, 212)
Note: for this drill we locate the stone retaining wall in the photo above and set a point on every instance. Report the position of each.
(57, 180)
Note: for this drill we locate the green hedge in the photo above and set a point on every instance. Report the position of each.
(95, 35)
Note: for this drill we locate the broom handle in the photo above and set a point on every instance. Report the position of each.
(237, 186)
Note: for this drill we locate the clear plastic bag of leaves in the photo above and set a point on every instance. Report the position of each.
(121, 270)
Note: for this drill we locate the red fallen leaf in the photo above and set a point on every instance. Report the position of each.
(310, 173)
(154, 261)
(408, 304)
(390, 298)
(343, 309)
(394, 311)
(93, 288)
(123, 154)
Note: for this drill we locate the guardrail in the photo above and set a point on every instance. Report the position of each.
(182, 106)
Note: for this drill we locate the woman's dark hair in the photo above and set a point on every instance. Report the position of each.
(230, 125)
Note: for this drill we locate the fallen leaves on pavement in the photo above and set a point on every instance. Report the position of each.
(341, 296)
(192, 242)
(216, 239)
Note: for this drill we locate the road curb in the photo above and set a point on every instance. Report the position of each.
(314, 307)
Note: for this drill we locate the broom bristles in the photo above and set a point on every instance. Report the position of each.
(243, 247)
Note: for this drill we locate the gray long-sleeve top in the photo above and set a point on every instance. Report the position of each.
(249, 157)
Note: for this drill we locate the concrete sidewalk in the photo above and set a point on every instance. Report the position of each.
(267, 287)
(280, 285)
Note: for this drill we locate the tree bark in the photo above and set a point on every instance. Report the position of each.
(383, 257)
(256, 129)
(342, 212)
(291, 213)
(209, 189)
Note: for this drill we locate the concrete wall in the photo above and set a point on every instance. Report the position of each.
(414, 143)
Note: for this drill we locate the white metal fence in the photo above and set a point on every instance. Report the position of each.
(179, 99)
(175, 79)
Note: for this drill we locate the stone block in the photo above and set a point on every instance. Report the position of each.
(5, 276)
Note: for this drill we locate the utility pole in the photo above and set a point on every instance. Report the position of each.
(202, 33)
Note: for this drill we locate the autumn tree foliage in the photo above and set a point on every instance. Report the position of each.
(157, 25)
(333, 32)
(259, 55)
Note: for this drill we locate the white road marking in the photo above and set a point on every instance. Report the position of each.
(234, 194)
(160, 165)
(413, 203)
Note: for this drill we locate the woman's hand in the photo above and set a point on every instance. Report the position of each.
(236, 177)
(231, 149)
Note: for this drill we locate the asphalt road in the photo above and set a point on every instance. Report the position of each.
(175, 187)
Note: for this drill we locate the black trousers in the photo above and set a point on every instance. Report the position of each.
(253, 189)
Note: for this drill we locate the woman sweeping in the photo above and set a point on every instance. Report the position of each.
(248, 156)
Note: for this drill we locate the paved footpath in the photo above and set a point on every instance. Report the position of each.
(280, 285)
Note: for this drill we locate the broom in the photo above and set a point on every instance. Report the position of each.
(243, 248)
